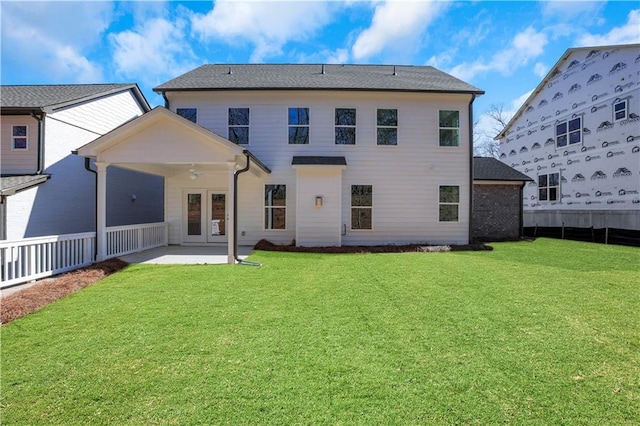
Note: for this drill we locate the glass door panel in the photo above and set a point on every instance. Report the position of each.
(218, 217)
(194, 214)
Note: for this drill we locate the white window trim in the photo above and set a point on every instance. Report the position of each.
(346, 126)
(308, 126)
(626, 109)
(449, 204)
(197, 114)
(351, 207)
(397, 127)
(567, 120)
(265, 207)
(13, 138)
(548, 187)
(248, 126)
(449, 128)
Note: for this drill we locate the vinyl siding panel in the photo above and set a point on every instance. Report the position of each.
(19, 161)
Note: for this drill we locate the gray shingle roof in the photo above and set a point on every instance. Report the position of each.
(318, 161)
(56, 96)
(9, 185)
(311, 77)
(487, 168)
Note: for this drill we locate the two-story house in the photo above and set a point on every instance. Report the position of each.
(44, 189)
(323, 155)
(578, 137)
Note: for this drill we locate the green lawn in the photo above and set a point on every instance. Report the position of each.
(536, 333)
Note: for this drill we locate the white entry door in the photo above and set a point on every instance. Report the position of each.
(205, 216)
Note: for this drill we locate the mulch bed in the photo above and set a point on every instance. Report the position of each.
(31, 299)
(390, 248)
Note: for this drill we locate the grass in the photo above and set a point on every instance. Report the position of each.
(536, 333)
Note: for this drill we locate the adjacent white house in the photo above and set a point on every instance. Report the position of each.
(44, 189)
(323, 155)
(578, 137)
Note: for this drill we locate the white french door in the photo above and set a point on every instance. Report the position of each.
(205, 216)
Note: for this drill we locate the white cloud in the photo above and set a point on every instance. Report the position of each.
(442, 59)
(525, 46)
(570, 10)
(50, 38)
(266, 25)
(626, 34)
(540, 69)
(396, 25)
(153, 51)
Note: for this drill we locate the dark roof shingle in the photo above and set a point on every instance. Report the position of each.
(318, 161)
(318, 77)
(487, 168)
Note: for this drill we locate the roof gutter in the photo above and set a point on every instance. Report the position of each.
(236, 173)
(473, 98)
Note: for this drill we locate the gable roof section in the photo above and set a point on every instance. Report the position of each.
(552, 72)
(318, 77)
(488, 168)
(9, 185)
(48, 98)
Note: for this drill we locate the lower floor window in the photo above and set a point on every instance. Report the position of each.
(275, 206)
(361, 206)
(549, 187)
(449, 203)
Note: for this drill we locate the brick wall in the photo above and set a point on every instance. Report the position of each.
(496, 212)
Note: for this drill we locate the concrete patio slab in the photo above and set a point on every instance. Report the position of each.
(185, 255)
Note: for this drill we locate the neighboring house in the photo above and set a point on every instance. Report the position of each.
(336, 155)
(578, 136)
(44, 189)
(497, 200)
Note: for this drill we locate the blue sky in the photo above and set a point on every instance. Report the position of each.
(502, 47)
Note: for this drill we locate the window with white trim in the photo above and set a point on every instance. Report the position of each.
(449, 203)
(275, 206)
(298, 126)
(387, 129)
(549, 187)
(19, 137)
(449, 127)
(345, 126)
(620, 109)
(190, 114)
(361, 207)
(239, 125)
(569, 132)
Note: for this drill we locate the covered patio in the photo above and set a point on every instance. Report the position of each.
(185, 255)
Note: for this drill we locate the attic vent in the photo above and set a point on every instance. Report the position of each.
(230, 71)
(394, 70)
(323, 69)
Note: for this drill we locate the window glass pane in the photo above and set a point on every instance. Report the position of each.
(387, 117)
(561, 128)
(20, 143)
(387, 136)
(238, 116)
(574, 124)
(561, 140)
(620, 115)
(361, 195)
(194, 214)
(449, 194)
(298, 135)
(619, 106)
(554, 179)
(448, 213)
(542, 181)
(449, 137)
(190, 114)
(345, 117)
(574, 137)
(239, 135)
(345, 135)
(553, 194)
(275, 218)
(361, 218)
(449, 119)
(19, 130)
(218, 214)
(542, 194)
(275, 195)
(299, 116)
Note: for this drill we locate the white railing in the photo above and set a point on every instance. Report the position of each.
(128, 239)
(32, 258)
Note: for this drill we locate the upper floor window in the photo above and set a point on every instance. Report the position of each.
(345, 126)
(449, 128)
(449, 203)
(361, 207)
(275, 206)
(298, 126)
(239, 125)
(569, 132)
(19, 137)
(549, 187)
(620, 109)
(387, 121)
(190, 114)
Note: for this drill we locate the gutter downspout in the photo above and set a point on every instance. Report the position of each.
(473, 98)
(40, 155)
(236, 173)
(87, 163)
(166, 100)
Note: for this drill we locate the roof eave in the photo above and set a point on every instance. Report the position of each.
(326, 89)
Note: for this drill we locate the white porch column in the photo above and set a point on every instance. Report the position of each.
(230, 215)
(101, 210)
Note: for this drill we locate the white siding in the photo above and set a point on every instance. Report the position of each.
(20, 161)
(601, 172)
(405, 177)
